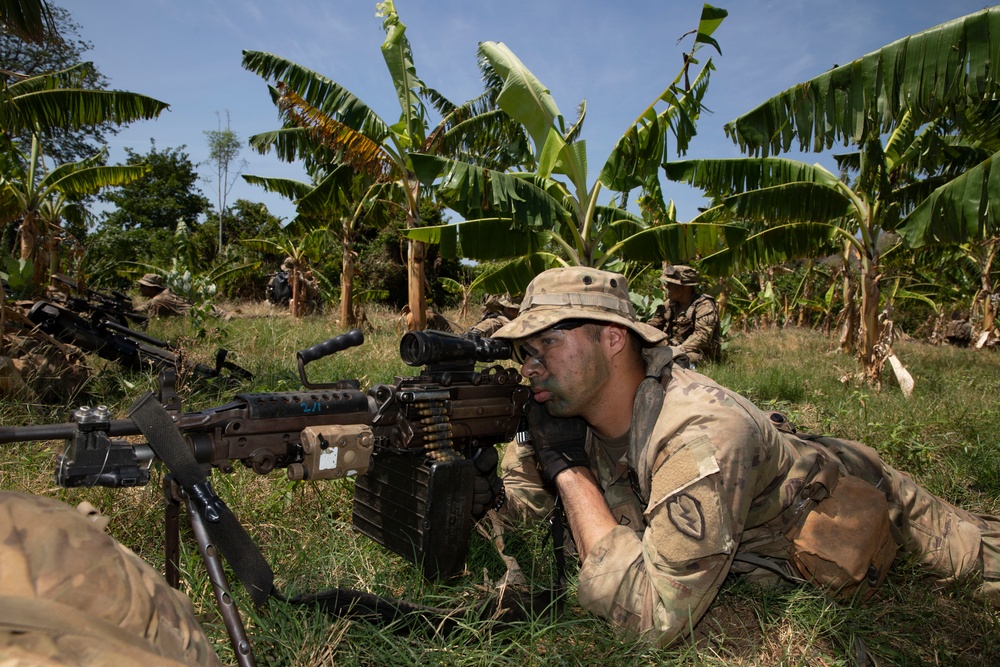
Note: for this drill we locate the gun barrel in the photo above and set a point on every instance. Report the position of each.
(137, 334)
(8, 434)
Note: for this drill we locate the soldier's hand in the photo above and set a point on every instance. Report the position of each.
(559, 442)
(488, 491)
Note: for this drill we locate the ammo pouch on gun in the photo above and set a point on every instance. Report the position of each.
(843, 544)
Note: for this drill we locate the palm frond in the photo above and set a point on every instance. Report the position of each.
(514, 277)
(355, 148)
(792, 202)
(286, 187)
(773, 246)
(678, 242)
(329, 97)
(959, 211)
(942, 70)
(76, 108)
(477, 193)
(399, 59)
(731, 176)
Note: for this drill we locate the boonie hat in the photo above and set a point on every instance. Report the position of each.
(576, 292)
(152, 280)
(507, 301)
(679, 274)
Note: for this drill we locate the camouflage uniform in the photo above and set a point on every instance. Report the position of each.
(694, 329)
(71, 595)
(163, 304)
(714, 489)
(489, 325)
(497, 313)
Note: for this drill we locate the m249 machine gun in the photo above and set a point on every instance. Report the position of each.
(132, 349)
(411, 444)
(112, 306)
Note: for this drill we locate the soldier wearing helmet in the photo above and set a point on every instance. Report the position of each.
(671, 483)
(689, 318)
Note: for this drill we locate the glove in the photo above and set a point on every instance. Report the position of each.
(488, 492)
(559, 442)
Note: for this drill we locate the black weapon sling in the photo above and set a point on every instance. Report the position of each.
(236, 545)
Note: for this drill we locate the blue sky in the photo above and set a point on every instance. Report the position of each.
(618, 55)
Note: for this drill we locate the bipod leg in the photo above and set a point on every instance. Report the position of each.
(171, 531)
(223, 596)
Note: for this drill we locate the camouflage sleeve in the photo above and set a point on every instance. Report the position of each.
(527, 495)
(659, 318)
(706, 316)
(489, 325)
(659, 584)
(164, 304)
(73, 595)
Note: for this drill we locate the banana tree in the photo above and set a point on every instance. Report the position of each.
(304, 250)
(26, 18)
(552, 215)
(901, 87)
(961, 213)
(55, 99)
(340, 202)
(26, 186)
(351, 133)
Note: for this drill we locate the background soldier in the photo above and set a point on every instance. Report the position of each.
(497, 312)
(690, 319)
(670, 482)
(162, 302)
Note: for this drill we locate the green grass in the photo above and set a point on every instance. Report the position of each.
(945, 435)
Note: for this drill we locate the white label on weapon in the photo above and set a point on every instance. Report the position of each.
(328, 459)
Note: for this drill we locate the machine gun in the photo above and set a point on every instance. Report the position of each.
(411, 445)
(132, 349)
(111, 307)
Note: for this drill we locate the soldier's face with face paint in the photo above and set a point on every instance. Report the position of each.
(566, 367)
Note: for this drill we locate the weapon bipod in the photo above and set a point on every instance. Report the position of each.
(173, 494)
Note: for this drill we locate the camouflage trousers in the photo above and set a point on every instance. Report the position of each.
(72, 595)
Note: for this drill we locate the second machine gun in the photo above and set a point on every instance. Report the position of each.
(411, 444)
(134, 350)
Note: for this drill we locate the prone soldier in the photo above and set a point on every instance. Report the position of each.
(162, 302)
(671, 482)
(498, 311)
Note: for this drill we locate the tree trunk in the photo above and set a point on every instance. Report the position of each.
(989, 311)
(30, 249)
(294, 304)
(347, 285)
(849, 316)
(415, 256)
(54, 258)
(870, 328)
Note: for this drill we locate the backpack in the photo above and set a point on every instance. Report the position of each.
(279, 292)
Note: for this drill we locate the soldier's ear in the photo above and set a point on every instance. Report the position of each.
(616, 337)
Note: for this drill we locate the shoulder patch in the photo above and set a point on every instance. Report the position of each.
(691, 524)
(686, 514)
(693, 461)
